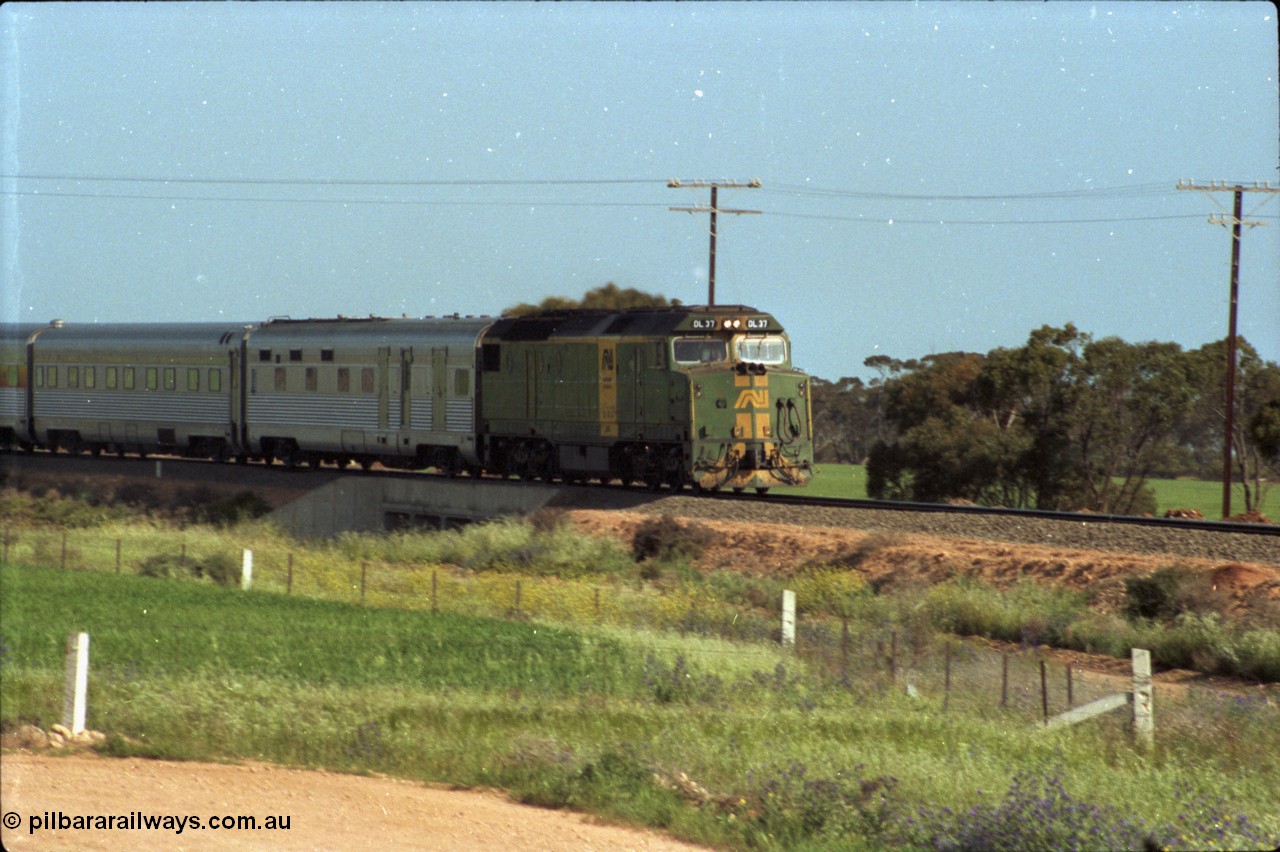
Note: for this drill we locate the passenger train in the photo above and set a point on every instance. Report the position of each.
(699, 396)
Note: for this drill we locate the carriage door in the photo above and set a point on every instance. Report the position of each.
(439, 385)
(384, 397)
(406, 389)
(235, 402)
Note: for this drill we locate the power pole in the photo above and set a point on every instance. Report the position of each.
(676, 183)
(1235, 222)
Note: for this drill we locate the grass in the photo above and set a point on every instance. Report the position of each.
(523, 656)
(849, 481)
(609, 718)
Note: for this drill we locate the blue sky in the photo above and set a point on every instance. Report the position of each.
(935, 176)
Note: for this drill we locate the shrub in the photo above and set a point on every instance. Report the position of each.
(220, 568)
(1035, 814)
(667, 538)
(790, 806)
(243, 506)
(828, 591)
(1170, 592)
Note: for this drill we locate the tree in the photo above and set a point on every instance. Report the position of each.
(1062, 422)
(1027, 392)
(848, 419)
(1257, 395)
(608, 297)
(1125, 423)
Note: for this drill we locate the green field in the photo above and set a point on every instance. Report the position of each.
(850, 481)
(597, 718)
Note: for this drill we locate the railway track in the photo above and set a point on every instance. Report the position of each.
(1121, 533)
(1033, 514)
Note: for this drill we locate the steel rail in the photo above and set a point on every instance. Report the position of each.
(799, 501)
(1030, 514)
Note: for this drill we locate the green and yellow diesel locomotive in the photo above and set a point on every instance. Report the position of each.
(704, 396)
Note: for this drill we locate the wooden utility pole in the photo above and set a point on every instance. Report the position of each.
(676, 183)
(1235, 222)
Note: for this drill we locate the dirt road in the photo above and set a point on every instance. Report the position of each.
(325, 810)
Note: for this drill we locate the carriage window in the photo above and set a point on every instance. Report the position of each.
(39, 377)
(153, 378)
(312, 380)
(91, 377)
(699, 350)
(344, 380)
(113, 377)
(215, 380)
(193, 379)
(366, 379)
(73, 377)
(264, 354)
(762, 350)
(295, 354)
(326, 354)
(170, 378)
(128, 378)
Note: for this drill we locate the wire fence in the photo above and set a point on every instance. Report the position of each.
(1025, 683)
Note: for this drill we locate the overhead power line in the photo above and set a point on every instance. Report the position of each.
(424, 202)
(864, 220)
(1112, 192)
(333, 181)
(795, 190)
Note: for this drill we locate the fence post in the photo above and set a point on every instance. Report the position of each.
(788, 618)
(364, 569)
(435, 603)
(246, 569)
(6, 546)
(1004, 679)
(517, 598)
(1044, 689)
(1144, 726)
(288, 583)
(1071, 697)
(946, 681)
(76, 690)
(117, 556)
(844, 650)
(893, 657)
(63, 564)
